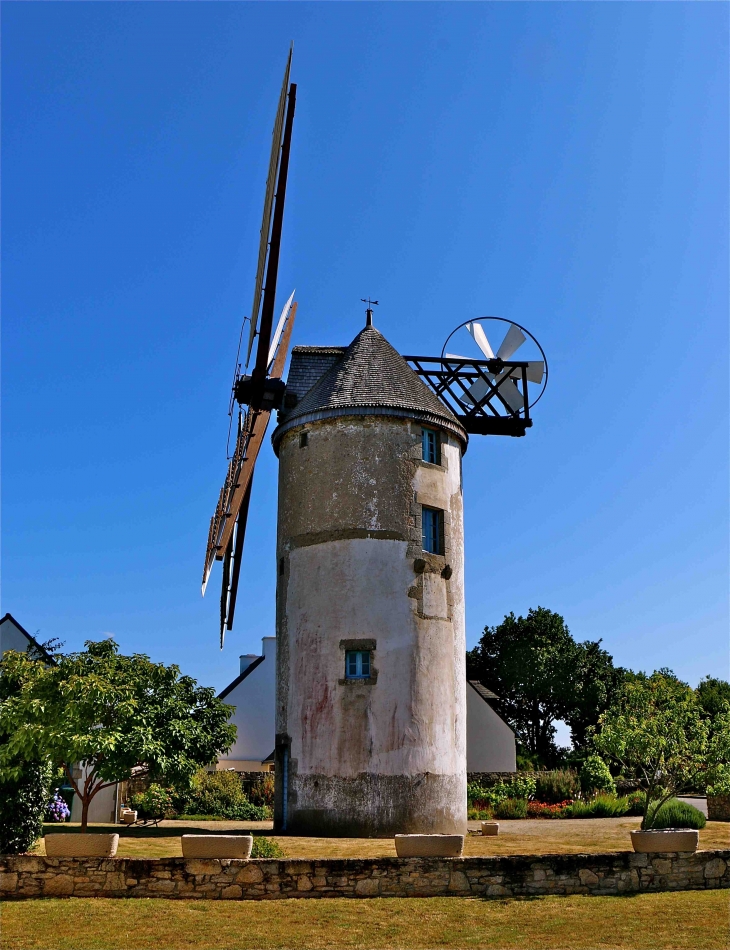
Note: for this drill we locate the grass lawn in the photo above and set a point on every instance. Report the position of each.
(696, 920)
(537, 836)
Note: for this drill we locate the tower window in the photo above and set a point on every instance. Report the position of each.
(430, 446)
(357, 664)
(433, 530)
(303, 439)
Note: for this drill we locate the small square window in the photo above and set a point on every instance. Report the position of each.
(433, 530)
(357, 664)
(303, 439)
(430, 446)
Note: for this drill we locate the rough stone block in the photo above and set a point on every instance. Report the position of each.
(8, 882)
(496, 890)
(232, 892)
(715, 868)
(587, 877)
(251, 874)
(62, 885)
(367, 888)
(459, 882)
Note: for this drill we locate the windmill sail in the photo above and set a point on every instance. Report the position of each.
(271, 178)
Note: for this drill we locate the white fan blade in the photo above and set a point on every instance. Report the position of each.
(476, 391)
(455, 356)
(511, 395)
(480, 338)
(535, 371)
(511, 343)
(279, 329)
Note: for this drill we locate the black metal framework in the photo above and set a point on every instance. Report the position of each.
(496, 411)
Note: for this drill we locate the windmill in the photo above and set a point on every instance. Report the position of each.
(262, 390)
(370, 605)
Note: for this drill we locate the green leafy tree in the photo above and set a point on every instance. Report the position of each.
(112, 714)
(713, 697)
(542, 675)
(25, 788)
(657, 733)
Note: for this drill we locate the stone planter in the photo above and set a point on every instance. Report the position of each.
(429, 846)
(665, 839)
(490, 828)
(718, 807)
(89, 845)
(217, 846)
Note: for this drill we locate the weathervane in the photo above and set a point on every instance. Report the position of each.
(369, 311)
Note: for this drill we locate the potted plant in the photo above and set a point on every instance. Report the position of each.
(657, 733)
(111, 714)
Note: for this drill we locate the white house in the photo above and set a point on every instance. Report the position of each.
(253, 693)
(15, 637)
(490, 743)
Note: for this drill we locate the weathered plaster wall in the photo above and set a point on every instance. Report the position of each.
(387, 754)
(25, 876)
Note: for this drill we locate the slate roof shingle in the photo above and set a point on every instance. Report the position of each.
(368, 375)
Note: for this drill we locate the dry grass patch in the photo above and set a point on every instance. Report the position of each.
(690, 920)
(558, 836)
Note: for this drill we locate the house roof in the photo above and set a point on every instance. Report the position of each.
(369, 377)
(485, 693)
(241, 677)
(30, 638)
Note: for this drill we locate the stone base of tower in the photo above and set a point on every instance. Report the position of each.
(375, 806)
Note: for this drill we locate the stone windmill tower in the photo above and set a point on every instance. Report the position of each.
(371, 704)
(370, 720)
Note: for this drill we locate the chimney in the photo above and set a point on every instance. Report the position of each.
(246, 660)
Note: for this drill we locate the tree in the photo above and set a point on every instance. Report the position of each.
(542, 675)
(657, 734)
(112, 714)
(24, 790)
(713, 696)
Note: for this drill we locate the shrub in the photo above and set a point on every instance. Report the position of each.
(219, 794)
(262, 791)
(57, 809)
(675, 814)
(721, 781)
(558, 786)
(636, 801)
(152, 804)
(602, 806)
(22, 805)
(511, 808)
(595, 776)
(266, 848)
(486, 798)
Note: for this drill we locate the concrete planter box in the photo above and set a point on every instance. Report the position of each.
(89, 845)
(490, 828)
(429, 846)
(217, 846)
(718, 807)
(665, 839)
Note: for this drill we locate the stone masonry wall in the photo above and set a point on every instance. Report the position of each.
(27, 876)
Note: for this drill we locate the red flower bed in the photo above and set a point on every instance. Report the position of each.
(542, 810)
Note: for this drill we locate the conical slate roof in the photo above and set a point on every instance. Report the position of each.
(370, 378)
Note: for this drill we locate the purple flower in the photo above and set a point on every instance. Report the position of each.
(57, 809)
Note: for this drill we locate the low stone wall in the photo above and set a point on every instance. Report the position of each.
(622, 872)
(718, 807)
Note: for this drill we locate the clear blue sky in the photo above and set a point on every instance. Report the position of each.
(562, 165)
